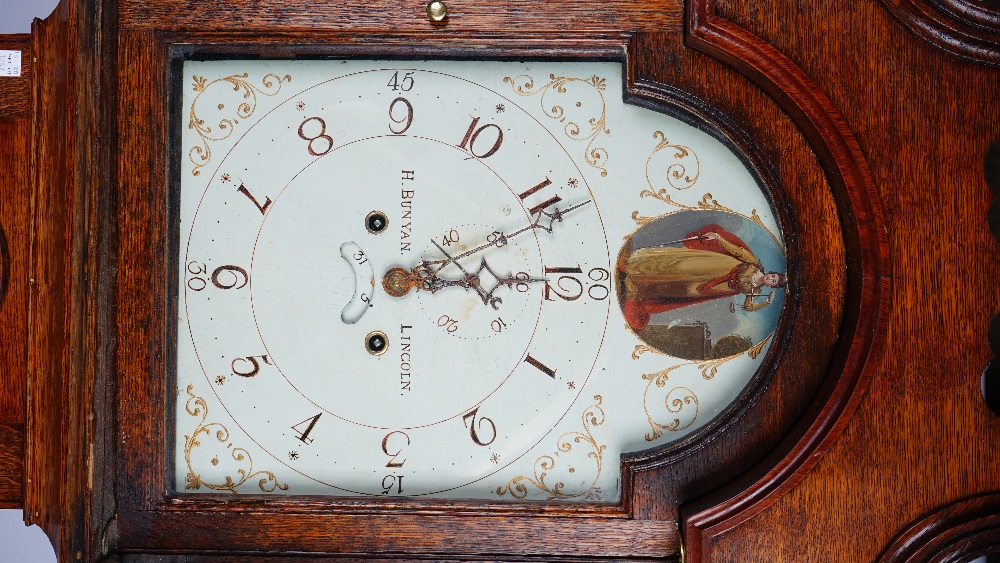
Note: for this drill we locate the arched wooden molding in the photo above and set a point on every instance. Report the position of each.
(967, 29)
(959, 531)
(869, 284)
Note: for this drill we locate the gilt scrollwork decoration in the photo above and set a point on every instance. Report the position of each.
(245, 106)
(759, 347)
(678, 166)
(244, 470)
(707, 202)
(519, 487)
(680, 403)
(551, 96)
(708, 368)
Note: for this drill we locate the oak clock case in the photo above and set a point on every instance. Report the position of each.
(457, 279)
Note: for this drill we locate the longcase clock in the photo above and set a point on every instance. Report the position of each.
(504, 281)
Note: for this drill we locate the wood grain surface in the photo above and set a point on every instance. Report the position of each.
(922, 437)
(15, 223)
(865, 439)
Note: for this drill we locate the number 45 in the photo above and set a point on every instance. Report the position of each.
(406, 84)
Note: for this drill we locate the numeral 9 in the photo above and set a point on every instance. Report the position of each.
(407, 120)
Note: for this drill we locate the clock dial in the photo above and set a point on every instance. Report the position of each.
(452, 279)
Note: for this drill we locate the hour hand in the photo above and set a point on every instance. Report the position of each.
(397, 282)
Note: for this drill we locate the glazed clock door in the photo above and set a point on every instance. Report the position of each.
(458, 279)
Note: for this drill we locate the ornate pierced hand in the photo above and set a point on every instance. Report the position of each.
(397, 282)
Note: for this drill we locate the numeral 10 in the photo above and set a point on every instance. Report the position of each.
(472, 135)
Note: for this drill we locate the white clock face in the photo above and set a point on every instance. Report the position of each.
(458, 279)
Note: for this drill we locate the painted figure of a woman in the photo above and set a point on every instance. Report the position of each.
(710, 263)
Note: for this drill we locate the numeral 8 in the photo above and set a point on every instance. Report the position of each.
(312, 140)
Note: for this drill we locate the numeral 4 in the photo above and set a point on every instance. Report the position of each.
(305, 427)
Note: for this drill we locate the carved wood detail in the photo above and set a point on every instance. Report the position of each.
(966, 29)
(958, 531)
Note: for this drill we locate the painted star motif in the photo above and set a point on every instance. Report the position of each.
(293, 455)
(226, 178)
(571, 385)
(220, 380)
(573, 182)
(495, 458)
(300, 106)
(501, 108)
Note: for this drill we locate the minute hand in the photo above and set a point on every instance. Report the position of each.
(537, 223)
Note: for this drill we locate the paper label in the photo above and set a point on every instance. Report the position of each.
(10, 63)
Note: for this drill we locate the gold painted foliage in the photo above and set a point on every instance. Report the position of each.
(197, 407)
(556, 96)
(518, 487)
(244, 94)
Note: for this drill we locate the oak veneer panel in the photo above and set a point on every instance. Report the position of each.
(478, 535)
(386, 16)
(922, 437)
(11, 465)
(15, 214)
(65, 490)
(15, 220)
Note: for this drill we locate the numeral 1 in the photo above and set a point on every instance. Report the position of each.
(541, 367)
(542, 185)
(304, 434)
